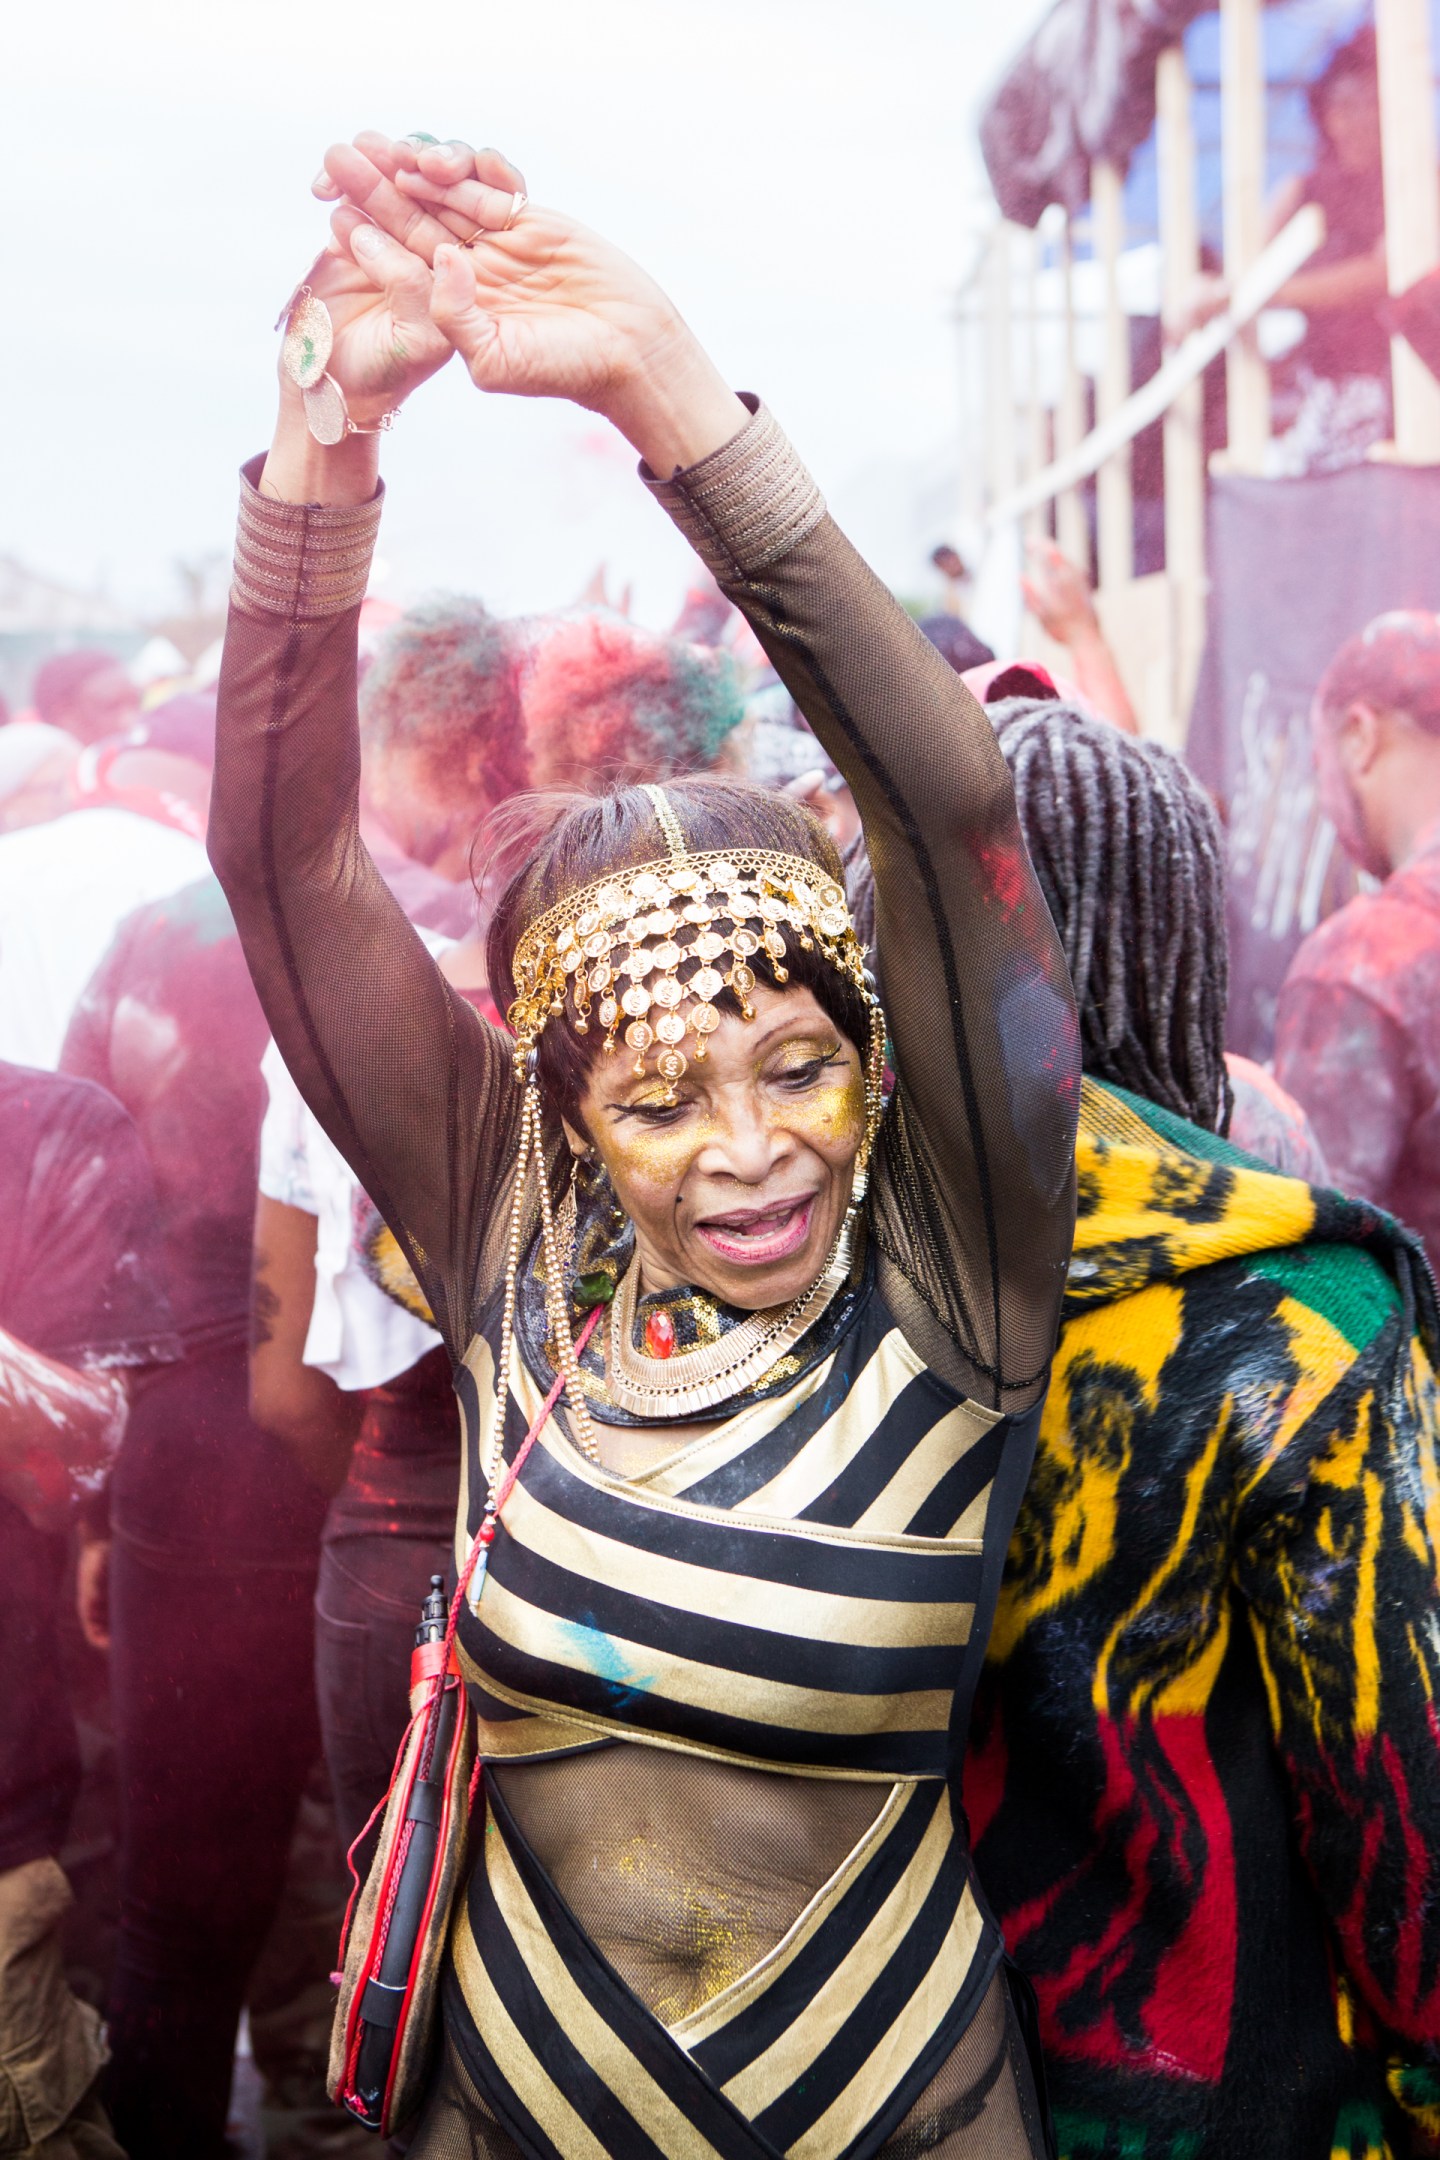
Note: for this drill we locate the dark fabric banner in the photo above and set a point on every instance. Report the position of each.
(1296, 567)
(1082, 87)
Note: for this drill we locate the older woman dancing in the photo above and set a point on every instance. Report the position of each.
(736, 1601)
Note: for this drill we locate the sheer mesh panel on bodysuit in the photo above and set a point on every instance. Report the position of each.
(972, 1200)
(980, 2105)
(455, 2123)
(684, 1873)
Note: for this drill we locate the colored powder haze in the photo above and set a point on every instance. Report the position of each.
(801, 174)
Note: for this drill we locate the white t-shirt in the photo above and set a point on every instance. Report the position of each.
(357, 1335)
(65, 888)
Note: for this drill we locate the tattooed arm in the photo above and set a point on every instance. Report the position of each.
(303, 1407)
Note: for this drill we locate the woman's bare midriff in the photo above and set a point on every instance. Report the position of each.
(685, 1873)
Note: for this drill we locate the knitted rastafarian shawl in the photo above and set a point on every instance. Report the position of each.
(1204, 1779)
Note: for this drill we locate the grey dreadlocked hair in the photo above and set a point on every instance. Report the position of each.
(1128, 851)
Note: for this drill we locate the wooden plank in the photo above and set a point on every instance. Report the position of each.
(1412, 205)
(1184, 422)
(1037, 419)
(972, 491)
(1136, 620)
(1242, 164)
(1280, 261)
(1072, 527)
(1000, 365)
(1114, 511)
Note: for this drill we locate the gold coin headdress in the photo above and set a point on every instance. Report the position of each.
(649, 950)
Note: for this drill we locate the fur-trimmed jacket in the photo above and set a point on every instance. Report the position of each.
(1204, 1774)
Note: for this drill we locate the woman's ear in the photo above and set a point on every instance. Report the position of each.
(576, 1143)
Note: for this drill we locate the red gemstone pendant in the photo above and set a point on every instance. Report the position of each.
(660, 1333)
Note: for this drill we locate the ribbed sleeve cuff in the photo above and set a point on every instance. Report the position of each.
(748, 503)
(305, 561)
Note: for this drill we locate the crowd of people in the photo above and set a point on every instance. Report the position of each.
(987, 1709)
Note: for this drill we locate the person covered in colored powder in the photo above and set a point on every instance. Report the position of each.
(87, 693)
(83, 1314)
(170, 1024)
(1333, 389)
(1357, 1037)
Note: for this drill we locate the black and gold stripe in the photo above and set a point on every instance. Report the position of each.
(796, 1595)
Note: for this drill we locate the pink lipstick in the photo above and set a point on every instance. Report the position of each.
(758, 1237)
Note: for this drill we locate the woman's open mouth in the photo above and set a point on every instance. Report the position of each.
(757, 1237)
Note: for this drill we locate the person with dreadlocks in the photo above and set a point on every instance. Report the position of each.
(1130, 859)
(1158, 861)
(1204, 1770)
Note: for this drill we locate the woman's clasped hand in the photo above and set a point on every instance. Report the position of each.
(436, 248)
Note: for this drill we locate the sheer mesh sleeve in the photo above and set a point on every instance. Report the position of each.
(414, 1088)
(973, 1201)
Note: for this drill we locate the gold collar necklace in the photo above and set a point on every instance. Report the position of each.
(690, 1382)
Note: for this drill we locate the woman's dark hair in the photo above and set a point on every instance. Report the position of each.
(539, 847)
(1128, 851)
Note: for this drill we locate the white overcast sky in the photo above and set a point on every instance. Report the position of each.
(801, 175)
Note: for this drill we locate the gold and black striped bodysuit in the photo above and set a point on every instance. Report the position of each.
(793, 1606)
(807, 1590)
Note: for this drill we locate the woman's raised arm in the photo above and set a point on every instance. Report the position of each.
(974, 1201)
(411, 1085)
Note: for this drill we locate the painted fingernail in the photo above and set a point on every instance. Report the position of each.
(366, 241)
(322, 179)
